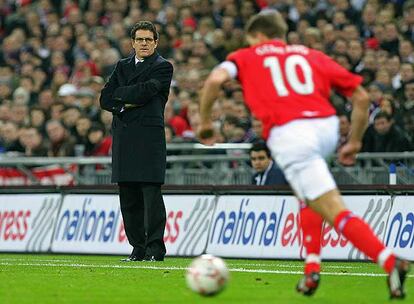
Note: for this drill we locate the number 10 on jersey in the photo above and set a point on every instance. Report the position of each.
(289, 72)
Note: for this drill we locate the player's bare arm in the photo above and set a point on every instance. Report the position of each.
(209, 95)
(359, 121)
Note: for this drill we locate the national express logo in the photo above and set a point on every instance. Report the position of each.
(193, 230)
(245, 226)
(14, 224)
(89, 224)
(249, 227)
(400, 231)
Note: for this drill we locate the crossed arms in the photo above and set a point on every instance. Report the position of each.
(114, 96)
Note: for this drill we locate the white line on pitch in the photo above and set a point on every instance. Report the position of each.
(293, 266)
(228, 262)
(184, 268)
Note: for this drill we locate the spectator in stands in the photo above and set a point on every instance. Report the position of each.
(19, 113)
(37, 119)
(257, 128)
(71, 114)
(86, 98)
(407, 105)
(46, 99)
(266, 170)
(4, 112)
(9, 138)
(408, 121)
(70, 47)
(232, 129)
(61, 143)
(384, 136)
(83, 124)
(67, 94)
(56, 110)
(105, 118)
(344, 129)
(98, 144)
(406, 51)
(178, 123)
(407, 74)
(32, 142)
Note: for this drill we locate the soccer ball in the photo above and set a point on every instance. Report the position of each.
(207, 275)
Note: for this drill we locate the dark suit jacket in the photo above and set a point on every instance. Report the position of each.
(274, 176)
(139, 149)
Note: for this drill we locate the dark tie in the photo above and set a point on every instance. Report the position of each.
(138, 64)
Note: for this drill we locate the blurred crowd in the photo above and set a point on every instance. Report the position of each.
(57, 54)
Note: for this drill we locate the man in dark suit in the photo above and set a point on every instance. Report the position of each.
(267, 173)
(136, 94)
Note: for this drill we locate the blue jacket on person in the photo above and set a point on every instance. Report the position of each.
(273, 175)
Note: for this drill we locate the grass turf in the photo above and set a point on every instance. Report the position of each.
(42, 279)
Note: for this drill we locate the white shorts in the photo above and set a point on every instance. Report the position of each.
(300, 148)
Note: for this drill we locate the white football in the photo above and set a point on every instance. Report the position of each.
(207, 275)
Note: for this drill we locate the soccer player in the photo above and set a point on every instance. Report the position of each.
(287, 87)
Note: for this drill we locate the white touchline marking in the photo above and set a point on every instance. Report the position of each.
(362, 274)
(293, 266)
(228, 263)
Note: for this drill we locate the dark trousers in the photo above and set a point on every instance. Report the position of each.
(143, 211)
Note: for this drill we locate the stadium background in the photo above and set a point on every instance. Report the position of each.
(55, 56)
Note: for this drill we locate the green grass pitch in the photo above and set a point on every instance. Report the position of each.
(82, 279)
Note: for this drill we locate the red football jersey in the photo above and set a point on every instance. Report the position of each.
(285, 82)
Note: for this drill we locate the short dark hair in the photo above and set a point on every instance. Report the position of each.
(383, 114)
(260, 145)
(96, 127)
(269, 22)
(144, 25)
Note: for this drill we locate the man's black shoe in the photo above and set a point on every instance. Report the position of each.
(136, 255)
(154, 258)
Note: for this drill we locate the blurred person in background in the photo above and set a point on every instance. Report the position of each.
(5, 112)
(344, 129)
(407, 74)
(56, 111)
(266, 170)
(46, 99)
(83, 124)
(385, 136)
(37, 119)
(105, 118)
(86, 98)
(71, 115)
(407, 105)
(232, 129)
(19, 113)
(32, 142)
(67, 94)
(98, 143)
(61, 143)
(9, 138)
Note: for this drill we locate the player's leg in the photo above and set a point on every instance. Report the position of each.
(311, 226)
(299, 148)
(294, 146)
(331, 207)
